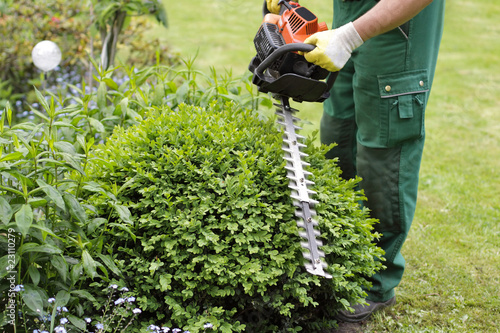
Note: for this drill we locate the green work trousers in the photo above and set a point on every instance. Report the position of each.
(375, 115)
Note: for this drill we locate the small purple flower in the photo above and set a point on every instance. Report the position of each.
(119, 301)
(136, 311)
(165, 329)
(99, 326)
(64, 321)
(176, 330)
(124, 289)
(113, 286)
(51, 300)
(208, 325)
(64, 309)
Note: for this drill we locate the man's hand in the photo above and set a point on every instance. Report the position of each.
(273, 7)
(333, 47)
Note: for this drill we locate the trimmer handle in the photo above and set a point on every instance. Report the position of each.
(259, 71)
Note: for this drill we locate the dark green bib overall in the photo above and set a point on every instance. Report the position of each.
(376, 116)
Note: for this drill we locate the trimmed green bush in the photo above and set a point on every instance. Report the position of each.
(209, 233)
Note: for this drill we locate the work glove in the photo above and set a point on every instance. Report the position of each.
(333, 47)
(273, 7)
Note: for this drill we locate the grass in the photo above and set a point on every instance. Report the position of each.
(453, 251)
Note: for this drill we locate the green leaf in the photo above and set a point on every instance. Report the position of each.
(52, 193)
(24, 219)
(5, 211)
(108, 261)
(78, 322)
(43, 102)
(97, 125)
(123, 212)
(33, 298)
(89, 264)
(84, 294)
(12, 156)
(101, 95)
(34, 274)
(75, 208)
(65, 147)
(61, 266)
(35, 247)
(94, 224)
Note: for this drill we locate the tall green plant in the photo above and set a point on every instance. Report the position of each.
(47, 235)
(111, 19)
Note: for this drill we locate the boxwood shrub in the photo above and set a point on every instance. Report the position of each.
(209, 233)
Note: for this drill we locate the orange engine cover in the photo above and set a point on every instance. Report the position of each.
(298, 23)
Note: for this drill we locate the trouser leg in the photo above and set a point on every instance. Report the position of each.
(339, 127)
(390, 182)
(385, 89)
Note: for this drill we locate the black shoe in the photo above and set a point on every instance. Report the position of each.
(362, 312)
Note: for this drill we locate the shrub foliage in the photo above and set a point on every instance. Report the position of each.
(211, 234)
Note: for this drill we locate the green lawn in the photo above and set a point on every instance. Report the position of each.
(453, 251)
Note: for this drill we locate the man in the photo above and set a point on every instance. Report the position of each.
(385, 52)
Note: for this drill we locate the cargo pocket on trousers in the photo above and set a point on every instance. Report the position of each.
(403, 96)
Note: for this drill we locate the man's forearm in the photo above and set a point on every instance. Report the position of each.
(387, 15)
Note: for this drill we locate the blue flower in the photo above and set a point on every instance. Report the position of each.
(176, 330)
(18, 288)
(99, 326)
(119, 301)
(131, 299)
(51, 300)
(64, 321)
(64, 309)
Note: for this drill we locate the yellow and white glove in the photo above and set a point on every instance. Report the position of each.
(273, 7)
(333, 47)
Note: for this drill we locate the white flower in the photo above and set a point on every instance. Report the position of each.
(88, 320)
(208, 325)
(36, 331)
(119, 301)
(124, 289)
(176, 330)
(153, 328)
(51, 300)
(165, 329)
(59, 329)
(64, 309)
(113, 286)
(131, 299)
(64, 321)
(99, 326)
(136, 310)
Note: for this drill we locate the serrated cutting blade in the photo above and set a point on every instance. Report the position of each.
(301, 191)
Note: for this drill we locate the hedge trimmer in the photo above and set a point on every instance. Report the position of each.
(280, 70)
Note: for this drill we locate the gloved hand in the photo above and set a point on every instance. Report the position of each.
(333, 47)
(273, 7)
